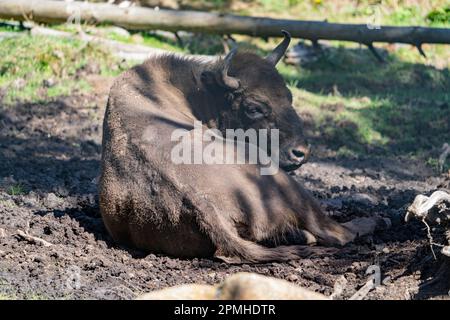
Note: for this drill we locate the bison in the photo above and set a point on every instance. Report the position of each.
(231, 211)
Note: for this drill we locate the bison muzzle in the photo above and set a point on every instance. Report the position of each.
(196, 210)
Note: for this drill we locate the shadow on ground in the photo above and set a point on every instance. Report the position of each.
(396, 107)
(52, 151)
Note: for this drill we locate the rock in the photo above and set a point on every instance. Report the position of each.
(118, 31)
(31, 199)
(205, 263)
(51, 200)
(167, 4)
(39, 259)
(371, 173)
(3, 233)
(335, 189)
(48, 83)
(302, 53)
(245, 267)
(364, 199)
(171, 264)
(292, 277)
(446, 251)
(250, 286)
(333, 204)
(137, 38)
(241, 286)
(183, 292)
(19, 83)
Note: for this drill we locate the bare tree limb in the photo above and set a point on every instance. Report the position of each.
(422, 53)
(363, 291)
(443, 156)
(130, 52)
(121, 50)
(139, 18)
(33, 239)
(423, 204)
(375, 52)
(421, 209)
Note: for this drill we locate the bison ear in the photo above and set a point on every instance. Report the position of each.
(221, 76)
(275, 56)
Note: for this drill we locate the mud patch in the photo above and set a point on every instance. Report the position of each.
(49, 162)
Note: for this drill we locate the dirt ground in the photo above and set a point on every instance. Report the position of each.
(50, 155)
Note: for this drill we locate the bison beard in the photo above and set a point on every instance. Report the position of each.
(226, 211)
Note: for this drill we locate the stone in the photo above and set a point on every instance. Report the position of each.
(333, 204)
(182, 292)
(240, 286)
(251, 286)
(292, 277)
(51, 200)
(364, 199)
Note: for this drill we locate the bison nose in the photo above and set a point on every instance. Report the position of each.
(300, 154)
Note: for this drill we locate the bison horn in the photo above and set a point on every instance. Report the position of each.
(229, 81)
(279, 51)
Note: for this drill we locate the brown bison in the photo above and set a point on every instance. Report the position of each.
(197, 210)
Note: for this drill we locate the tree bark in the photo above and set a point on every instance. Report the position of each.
(138, 18)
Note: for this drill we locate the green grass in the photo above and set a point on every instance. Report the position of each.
(199, 44)
(9, 27)
(28, 63)
(8, 292)
(352, 103)
(387, 12)
(143, 38)
(358, 105)
(28, 296)
(15, 190)
(4, 296)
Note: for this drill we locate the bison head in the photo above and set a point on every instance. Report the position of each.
(256, 96)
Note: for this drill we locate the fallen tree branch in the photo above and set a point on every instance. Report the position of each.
(130, 52)
(375, 52)
(445, 153)
(363, 291)
(33, 239)
(122, 50)
(422, 207)
(423, 204)
(139, 18)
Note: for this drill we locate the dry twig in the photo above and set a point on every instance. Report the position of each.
(445, 153)
(420, 209)
(33, 239)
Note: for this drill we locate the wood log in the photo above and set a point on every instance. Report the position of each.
(139, 18)
(131, 52)
(422, 205)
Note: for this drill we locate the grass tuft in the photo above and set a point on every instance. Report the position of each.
(37, 68)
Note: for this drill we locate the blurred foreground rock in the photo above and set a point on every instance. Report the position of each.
(241, 286)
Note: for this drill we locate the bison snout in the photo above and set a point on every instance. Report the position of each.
(293, 158)
(300, 154)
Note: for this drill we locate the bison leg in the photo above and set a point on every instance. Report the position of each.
(232, 248)
(334, 233)
(364, 226)
(328, 231)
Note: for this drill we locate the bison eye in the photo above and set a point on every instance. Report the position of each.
(254, 112)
